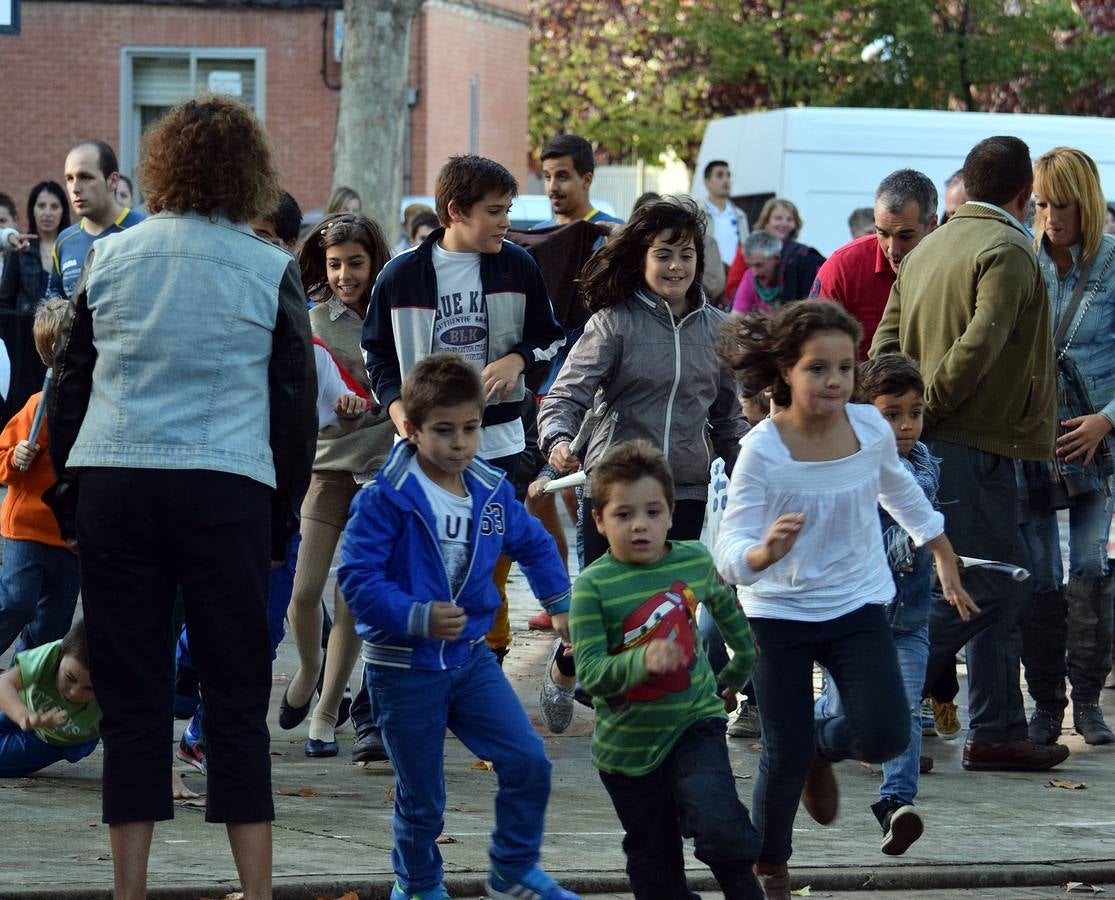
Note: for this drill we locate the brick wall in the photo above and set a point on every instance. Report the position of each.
(62, 83)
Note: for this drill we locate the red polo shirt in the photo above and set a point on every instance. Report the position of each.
(859, 278)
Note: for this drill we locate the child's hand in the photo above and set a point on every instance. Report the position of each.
(728, 695)
(561, 626)
(446, 621)
(954, 592)
(536, 487)
(54, 718)
(350, 406)
(780, 538)
(499, 377)
(663, 657)
(562, 458)
(24, 454)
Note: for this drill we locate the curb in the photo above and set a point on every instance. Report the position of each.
(853, 878)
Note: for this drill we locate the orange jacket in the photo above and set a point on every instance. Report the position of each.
(24, 516)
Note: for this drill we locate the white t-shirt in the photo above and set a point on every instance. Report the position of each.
(461, 326)
(837, 564)
(726, 230)
(330, 386)
(453, 517)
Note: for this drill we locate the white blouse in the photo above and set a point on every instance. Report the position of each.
(837, 563)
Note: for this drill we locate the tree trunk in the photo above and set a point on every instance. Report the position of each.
(371, 117)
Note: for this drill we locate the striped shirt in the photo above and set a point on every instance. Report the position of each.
(619, 608)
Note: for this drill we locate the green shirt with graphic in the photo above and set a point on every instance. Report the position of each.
(618, 609)
(38, 668)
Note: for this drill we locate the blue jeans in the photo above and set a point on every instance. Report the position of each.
(38, 593)
(1089, 522)
(414, 707)
(692, 793)
(24, 752)
(858, 651)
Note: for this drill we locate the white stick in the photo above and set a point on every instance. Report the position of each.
(1015, 573)
(566, 481)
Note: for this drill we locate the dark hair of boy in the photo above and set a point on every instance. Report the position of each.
(712, 165)
(616, 270)
(467, 180)
(626, 463)
(45, 326)
(75, 644)
(441, 379)
(644, 198)
(998, 169)
(9, 204)
(106, 156)
(287, 219)
(575, 147)
(759, 346)
(892, 374)
(422, 220)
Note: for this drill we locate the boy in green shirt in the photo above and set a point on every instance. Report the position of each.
(47, 709)
(660, 714)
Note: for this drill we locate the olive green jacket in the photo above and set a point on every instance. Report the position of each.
(970, 306)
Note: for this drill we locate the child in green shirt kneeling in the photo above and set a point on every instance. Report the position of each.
(47, 709)
(660, 714)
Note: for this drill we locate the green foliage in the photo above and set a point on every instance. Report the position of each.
(637, 76)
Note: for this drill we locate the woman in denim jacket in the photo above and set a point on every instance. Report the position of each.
(1068, 222)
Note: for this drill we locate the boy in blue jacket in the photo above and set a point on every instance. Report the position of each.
(416, 568)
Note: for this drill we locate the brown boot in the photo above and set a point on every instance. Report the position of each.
(775, 880)
(820, 795)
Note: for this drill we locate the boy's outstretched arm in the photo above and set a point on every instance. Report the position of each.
(600, 673)
(11, 683)
(367, 549)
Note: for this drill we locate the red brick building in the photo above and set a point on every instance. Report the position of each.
(107, 69)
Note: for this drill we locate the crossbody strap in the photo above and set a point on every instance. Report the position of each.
(1070, 318)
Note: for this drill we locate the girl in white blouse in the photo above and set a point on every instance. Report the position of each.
(801, 534)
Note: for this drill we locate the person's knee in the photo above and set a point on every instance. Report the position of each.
(523, 763)
(722, 839)
(886, 739)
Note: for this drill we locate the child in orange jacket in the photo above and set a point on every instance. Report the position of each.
(39, 578)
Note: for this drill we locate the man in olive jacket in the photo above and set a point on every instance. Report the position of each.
(970, 305)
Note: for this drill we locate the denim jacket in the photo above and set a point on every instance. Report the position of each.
(188, 346)
(911, 567)
(1093, 346)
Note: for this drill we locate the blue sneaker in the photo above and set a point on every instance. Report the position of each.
(434, 893)
(534, 885)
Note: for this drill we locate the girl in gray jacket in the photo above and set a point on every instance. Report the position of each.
(649, 351)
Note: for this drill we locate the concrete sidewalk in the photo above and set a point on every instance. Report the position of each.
(333, 819)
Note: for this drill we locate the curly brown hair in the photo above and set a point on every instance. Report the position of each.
(211, 156)
(760, 346)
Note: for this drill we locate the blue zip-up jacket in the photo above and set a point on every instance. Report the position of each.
(912, 568)
(399, 327)
(392, 571)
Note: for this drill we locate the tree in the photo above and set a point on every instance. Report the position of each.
(371, 117)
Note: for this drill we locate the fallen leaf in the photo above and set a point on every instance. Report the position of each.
(1081, 887)
(235, 895)
(802, 892)
(483, 764)
(277, 753)
(349, 895)
(755, 746)
(391, 793)
(446, 839)
(1067, 785)
(742, 777)
(301, 792)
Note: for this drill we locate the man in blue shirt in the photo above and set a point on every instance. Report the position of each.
(91, 178)
(567, 171)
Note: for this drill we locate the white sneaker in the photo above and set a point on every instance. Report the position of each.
(555, 702)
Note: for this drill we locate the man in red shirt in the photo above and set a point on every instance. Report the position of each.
(860, 274)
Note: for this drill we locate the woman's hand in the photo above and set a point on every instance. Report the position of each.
(538, 487)
(948, 574)
(562, 458)
(1084, 438)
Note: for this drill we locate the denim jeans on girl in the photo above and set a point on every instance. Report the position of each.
(858, 651)
(414, 708)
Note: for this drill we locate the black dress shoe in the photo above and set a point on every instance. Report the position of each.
(291, 716)
(369, 748)
(1012, 756)
(320, 748)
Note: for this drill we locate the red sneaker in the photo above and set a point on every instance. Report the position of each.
(540, 622)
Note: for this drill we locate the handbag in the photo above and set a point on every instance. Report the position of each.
(1073, 397)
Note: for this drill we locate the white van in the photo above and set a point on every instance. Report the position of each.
(829, 161)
